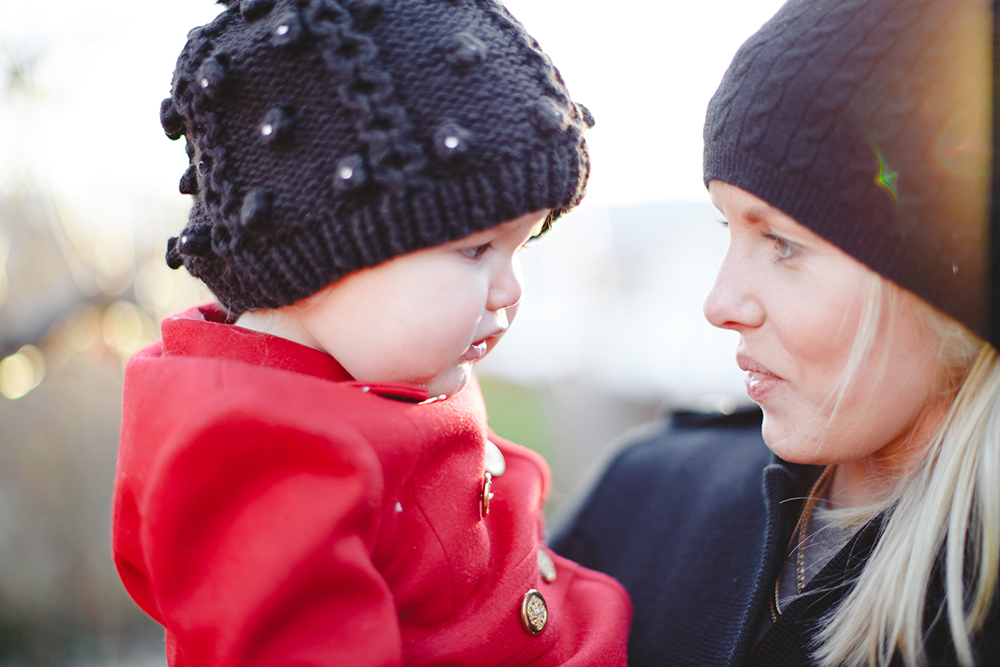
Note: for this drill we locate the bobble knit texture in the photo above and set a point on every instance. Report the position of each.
(868, 122)
(326, 136)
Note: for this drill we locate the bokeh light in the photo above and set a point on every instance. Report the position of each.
(21, 372)
(84, 328)
(126, 329)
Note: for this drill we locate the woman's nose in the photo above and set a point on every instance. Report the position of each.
(505, 286)
(731, 303)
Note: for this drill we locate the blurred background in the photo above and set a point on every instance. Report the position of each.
(610, 332)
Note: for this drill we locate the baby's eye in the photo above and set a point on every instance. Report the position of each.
(475, 253)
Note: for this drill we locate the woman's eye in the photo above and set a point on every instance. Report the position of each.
(475, 253)
(783, 249)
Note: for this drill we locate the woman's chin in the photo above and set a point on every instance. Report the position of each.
(788, 443)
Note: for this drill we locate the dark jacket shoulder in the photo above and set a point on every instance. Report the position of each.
(684, 461)
(678, 517)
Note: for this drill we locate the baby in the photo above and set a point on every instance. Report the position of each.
(305, 475)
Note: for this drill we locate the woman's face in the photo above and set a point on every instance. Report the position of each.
(796, 300)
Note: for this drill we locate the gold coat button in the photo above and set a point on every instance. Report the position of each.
(546, 566)
(486, 496)
(534, 612)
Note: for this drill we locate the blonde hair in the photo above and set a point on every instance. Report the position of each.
(947, 505)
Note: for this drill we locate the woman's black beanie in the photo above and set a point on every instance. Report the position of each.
(326, 136)
(868, 121)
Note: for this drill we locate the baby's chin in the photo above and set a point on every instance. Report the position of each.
(450, 381)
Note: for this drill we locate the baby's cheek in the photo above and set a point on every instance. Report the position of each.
(421, 356)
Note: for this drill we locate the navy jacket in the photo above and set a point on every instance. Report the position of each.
(693, 517)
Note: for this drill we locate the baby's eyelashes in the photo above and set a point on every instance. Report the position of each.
(476, 252)
(530, 242)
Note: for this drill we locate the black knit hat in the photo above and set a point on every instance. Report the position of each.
(868, 121)
(326, 136)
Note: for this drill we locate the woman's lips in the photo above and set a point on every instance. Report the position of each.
(758, 379)
(758, 385)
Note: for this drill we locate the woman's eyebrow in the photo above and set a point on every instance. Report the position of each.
(756, 214)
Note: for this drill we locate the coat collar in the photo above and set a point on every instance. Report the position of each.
(204, 331)
(783, 486)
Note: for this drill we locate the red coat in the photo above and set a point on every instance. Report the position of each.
(270, 510)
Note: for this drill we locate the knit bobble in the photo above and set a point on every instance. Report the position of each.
(277, 127)
(350, 173)
(549, 116)
(588, 118)
(451, 140)
(195, 241)
(172, 122)
(287, 29)
(255, 9)
(212, 77)
(466, 51)
(174, 259)
(189, 181)
(256, 211)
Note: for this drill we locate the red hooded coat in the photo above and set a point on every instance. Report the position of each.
(270, 510)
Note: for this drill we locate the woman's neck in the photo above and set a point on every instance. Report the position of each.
(861, 482)
(873, 479)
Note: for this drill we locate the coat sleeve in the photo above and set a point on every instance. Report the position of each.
(256, 544)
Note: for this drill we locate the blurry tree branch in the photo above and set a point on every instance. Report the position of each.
(19, 71)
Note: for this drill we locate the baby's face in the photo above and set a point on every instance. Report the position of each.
(426, 317)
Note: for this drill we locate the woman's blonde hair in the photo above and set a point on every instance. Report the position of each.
(943, 515)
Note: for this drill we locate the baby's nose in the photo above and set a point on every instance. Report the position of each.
(506, 289)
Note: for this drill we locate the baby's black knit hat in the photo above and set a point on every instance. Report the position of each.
(868, 121)
(326, 136)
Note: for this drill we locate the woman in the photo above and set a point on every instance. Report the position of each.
(848, 151)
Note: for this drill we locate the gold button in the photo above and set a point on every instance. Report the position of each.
(546, 566)
(487, 495)
(534, 612)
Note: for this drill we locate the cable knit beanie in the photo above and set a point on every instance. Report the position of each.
(868, 121)
(326, 136)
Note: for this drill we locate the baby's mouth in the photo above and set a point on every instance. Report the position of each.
(481, 348)
(475, 352)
